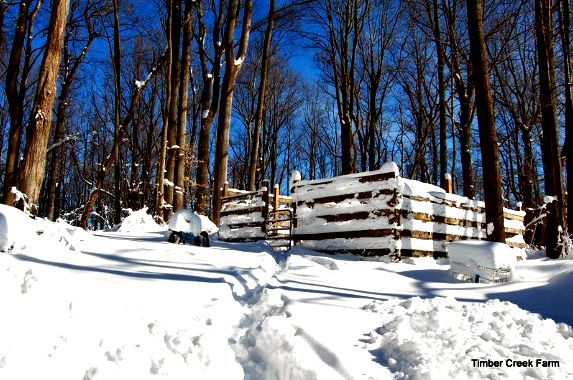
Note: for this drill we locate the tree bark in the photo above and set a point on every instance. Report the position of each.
(555, 219)
(486, 122)
(31, 175)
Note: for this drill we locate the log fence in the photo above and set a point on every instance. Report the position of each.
(370, 214)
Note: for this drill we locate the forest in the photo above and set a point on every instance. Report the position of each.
(115, 105)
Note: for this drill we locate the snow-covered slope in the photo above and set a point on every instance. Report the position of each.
(132, 306)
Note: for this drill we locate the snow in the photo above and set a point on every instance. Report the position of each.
(139, 221)
(238, 61)
(490, 261)
(295, 177)
(490, 228)
(17, 194)
(185, 221)
(130, 305)
(16, 228)
(390, 167)
(168, 183)
(207, 225)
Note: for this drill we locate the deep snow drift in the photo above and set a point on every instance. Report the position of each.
(129, 305)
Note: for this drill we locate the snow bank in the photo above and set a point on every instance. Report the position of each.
(492, 262)
(19, 232)
(138, 221)
(440, 338)
(208, 225)
(17, 229)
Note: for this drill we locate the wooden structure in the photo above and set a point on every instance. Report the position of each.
(256, 215)
(370, 214)
(379, 213)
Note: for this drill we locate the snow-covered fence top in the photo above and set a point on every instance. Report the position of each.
(244, 214)
(379, 213)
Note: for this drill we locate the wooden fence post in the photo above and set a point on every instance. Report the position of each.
(449, 183)
(295, 177)
(276, 202)
(266, 196)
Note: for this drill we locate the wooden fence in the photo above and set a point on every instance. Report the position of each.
(379, 213)
(245, 214)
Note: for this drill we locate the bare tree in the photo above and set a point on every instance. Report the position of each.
(486, 123)
(464, 91)
(259, 116)
(163, 207)
(31, 175)
(345, 22)
(109, 161)
(80, 18)
(16, 93)
(233, 64)
(209, 98)
(564, 7)
(549, 141)
(433, 15)
(181, 141)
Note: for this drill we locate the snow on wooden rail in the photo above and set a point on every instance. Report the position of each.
(244, 214)
(379, 213)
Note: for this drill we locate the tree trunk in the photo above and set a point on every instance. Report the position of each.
(555, 219)
(57, 153)
(259, 116)
(434, 17)
(116, 111)
(209, 106)
(3, 10)
(31, 175)
(160, 200)
(173, 77)
(486, 123)
(232, 68)
(465, 93)
(15, 101)
(181, 154)
(565, 30)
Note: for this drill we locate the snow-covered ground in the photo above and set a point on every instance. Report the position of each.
(129, 305)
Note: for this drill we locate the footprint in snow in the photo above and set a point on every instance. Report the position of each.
(29, 279)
